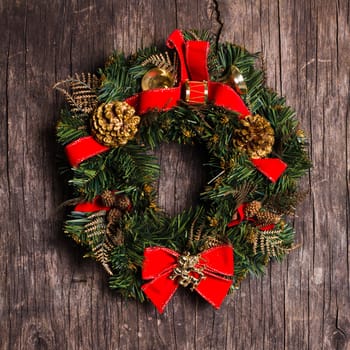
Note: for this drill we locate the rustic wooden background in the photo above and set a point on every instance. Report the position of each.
(50, 298)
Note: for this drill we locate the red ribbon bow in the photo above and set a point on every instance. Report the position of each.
(209, 273)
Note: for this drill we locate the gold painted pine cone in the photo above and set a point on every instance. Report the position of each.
(114, 124)
(255, 136)
(267, 218)
(252, 209)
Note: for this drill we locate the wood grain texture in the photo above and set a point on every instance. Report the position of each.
(51, 299)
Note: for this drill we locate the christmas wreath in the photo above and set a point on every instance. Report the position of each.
(198, 91)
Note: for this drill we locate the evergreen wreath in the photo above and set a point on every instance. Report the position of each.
(198, 91)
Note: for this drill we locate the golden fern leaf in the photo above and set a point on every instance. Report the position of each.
(80, 92)
(198, 234)
(102, 251)
(162, 62)
(96, 227)
(102, 255)
(99, 240)
(271, 244)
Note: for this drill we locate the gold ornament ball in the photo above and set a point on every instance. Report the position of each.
(113, 124)
(235, 78)
(157, 78)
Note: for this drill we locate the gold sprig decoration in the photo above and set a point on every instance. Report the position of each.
(102, 231)
(114, 124)
(80, 92)
(268, 242)
(254, 137)
(163, 62)
(100, 239)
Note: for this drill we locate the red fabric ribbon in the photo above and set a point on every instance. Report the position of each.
(193, 56)
(272, 168)
(216, 265)
(83, 149)
(194, 77)
(91, 207)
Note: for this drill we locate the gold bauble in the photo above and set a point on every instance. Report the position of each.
(235, 78)
(157, 78)
(254, 137)
(114, 124)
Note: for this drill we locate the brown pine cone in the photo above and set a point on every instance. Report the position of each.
(108, 198)
(252, 209)
(123, 202)
(114, 215)
(267, 218)
(118, 237)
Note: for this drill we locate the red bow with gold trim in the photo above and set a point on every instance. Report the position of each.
(208, 273)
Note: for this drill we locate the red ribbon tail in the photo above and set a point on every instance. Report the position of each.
(158, 265)
(272, 168)
(214, 289)
(160, 290)
(218, 261)
(241, 217)
(224, 96)
(196, 59)
(176, 41)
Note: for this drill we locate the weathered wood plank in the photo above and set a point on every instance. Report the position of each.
(50, 298)
(307, 43)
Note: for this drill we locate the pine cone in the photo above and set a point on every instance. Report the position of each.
(255, 137)
(252, 209)
(114, 215)
(267, 218)
(123, 202)
(114, 124)
(108, 198)
(118, 237)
